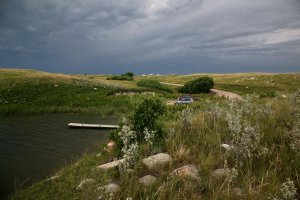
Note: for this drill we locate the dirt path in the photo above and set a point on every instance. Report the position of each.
(229, 95)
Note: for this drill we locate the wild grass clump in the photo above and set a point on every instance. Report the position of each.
(153, 84)
(269, 94)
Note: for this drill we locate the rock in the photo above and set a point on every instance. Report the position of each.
(283, 96)
(110, 146)
(187, 171)
(226, 147)
(110, 188)
(129, 171)
(53, 178)
(85, 182)
(157, 160)
(111, 165)
(98, 155)
(220, 173)
(147, 180)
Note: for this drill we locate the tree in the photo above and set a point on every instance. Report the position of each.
(130, 74)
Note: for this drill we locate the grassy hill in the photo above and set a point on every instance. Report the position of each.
(33, 92)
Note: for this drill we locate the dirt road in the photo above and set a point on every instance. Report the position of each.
(229, 95)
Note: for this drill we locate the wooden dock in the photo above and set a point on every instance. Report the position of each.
(99, 126)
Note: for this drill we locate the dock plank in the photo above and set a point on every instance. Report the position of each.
(100, 126)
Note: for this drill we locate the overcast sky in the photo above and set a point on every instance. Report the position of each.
(151, 36)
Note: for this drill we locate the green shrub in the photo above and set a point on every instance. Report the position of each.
(130, 74)
(120, 78)
(153, 84)
(146, 115)
(270, 94)
(200, 85)
(114, 136)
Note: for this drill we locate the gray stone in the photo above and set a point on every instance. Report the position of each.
(157, 160)
(129, 171)
(98, 155)
(53, 178)
(220, 173)
(111, 165)
(84, 183)
(110, 188)
(147, 180)
(226, 147)
(187, 171)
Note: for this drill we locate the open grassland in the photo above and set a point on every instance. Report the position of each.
(246, 83)
(263, 164)
(34, 92)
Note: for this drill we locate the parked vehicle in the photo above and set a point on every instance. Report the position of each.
(184, 101)
(188, 96)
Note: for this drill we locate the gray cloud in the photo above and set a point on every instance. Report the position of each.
(166, 36)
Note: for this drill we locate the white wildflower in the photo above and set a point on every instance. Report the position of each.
(149, 136)
(288, 191)
(246, 144)
(187, 118)
(130, 148)
(294, 138)
(216, 110)
(234, 116)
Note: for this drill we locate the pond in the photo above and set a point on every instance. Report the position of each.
(34, 147)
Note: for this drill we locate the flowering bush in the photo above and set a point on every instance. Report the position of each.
(149, 136)
(287, 191)
(130, 148)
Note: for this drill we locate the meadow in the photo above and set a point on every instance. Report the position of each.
(262, 133)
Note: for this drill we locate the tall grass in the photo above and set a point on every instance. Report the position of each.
(43, 95)
(153, 84)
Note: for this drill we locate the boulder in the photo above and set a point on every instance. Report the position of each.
(129, 171)
(187, 171)
(84, 183)
(226, 147)
(110, 188)
(157, 160)
(111, 165)
(53, 178)
(147, 180)
(110, 146)
(220, 173)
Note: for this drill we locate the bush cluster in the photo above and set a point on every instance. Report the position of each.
(144, 122)
(200, 85)
(153, 84)
(123, 77)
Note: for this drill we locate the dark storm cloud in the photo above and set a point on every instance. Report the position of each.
(167, 36)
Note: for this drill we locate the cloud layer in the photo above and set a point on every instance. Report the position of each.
(166, 36)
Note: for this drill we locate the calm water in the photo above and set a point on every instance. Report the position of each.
(34, 147)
